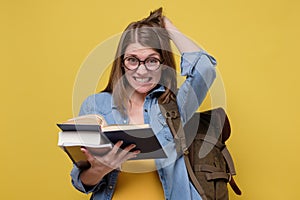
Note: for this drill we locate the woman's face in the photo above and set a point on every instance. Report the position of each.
(141, 79)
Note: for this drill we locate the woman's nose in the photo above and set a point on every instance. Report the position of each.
(141, 69)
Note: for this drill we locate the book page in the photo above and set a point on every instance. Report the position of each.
(124, 127)
(79, 138)
(88, 119)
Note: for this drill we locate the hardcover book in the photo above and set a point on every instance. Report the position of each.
(93, 133)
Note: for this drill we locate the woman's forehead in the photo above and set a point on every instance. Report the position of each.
(136, 48)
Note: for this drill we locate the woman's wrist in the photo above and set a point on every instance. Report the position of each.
(170, 27)
(93, 175)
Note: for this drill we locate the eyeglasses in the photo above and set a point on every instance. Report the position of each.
(133, 63)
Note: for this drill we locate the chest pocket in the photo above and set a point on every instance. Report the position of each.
(163, 132)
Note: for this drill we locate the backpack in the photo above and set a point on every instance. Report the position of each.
(202, 143)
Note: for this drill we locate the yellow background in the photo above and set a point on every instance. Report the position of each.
(43, 44)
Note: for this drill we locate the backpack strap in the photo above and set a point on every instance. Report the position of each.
(172, 115)
(193, 177)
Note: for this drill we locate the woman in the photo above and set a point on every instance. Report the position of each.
(143, 71)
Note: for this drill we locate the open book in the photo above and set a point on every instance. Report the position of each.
(93, 133)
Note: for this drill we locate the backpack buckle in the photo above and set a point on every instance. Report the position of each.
(173, 114)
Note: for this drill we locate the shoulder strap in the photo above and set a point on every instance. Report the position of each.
(172, 115)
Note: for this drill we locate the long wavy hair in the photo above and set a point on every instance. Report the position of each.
(149, 32)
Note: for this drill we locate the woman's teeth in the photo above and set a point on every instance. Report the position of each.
(143, 80)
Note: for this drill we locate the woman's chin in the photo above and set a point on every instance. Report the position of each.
(145, 89)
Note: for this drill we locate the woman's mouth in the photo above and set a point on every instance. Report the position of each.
(142, 80)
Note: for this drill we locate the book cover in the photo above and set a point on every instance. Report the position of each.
(99, 139)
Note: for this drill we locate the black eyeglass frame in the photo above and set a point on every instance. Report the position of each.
(142, 61)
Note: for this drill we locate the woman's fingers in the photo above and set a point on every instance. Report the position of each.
(131, 155)
(116, 147)
(89, 156)
(117, 155)
(126, 150)
(114, 158)
(127, 153)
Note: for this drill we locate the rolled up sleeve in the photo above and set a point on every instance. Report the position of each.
(76, 182)
(200, 60)
(199, 69)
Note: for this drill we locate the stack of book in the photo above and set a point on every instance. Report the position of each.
(93, 133)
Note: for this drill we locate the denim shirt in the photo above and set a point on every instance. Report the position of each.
(199, 69)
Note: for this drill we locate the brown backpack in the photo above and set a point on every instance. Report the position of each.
(202, 143)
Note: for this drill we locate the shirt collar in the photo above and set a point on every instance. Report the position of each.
(158, 89)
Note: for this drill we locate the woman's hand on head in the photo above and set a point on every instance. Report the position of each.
(183, 43)
(170, 27)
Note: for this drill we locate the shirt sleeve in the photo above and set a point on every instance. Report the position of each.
(87, 106)
(199, 69)
(76, 182)
(100, 103)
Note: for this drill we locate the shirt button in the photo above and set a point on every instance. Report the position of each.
(110, 187)
(145, 110)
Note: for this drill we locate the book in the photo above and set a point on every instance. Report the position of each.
(93, 133)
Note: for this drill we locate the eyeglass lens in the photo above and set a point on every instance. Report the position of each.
(150, 63)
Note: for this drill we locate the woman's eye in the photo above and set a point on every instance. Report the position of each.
(132, 60)
(152, 60)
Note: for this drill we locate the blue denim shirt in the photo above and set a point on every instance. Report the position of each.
(198, 67)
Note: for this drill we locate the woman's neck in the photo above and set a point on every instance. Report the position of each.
(137, 99)
(135, 108)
